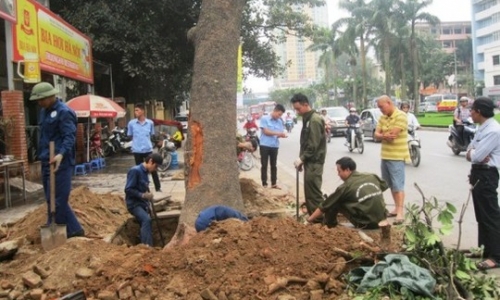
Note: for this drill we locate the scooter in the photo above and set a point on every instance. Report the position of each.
(459, 142)
(252, 135)
(165, 150)
(356, 138)
(245, 160)
(414, 147)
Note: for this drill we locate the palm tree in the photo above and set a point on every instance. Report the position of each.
(326, 41)
(384, 21)
(411, 11)
(358, 27)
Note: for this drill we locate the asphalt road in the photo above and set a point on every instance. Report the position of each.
(441, 174)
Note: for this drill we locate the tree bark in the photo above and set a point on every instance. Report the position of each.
(212, 175)
(363, 69)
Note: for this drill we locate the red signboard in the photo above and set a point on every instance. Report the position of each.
(60, 47)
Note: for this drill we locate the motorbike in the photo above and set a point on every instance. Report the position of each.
(96, 150)
(414, 147)
(289, 125)
(252, 135)
(356, 138)
(459, 142)
(118, 141)
(245, 160)
(166, 147)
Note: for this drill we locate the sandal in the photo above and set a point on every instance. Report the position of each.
(398, 222)
(391, 215)
(276, 187)
(487, 264)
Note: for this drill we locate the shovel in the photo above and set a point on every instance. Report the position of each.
(53, 235)
(155, 216)
(297, 196)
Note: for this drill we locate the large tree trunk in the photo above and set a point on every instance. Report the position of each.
(212, 175)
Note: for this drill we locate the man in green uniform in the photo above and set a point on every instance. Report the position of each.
(312, 151)
(359, 198)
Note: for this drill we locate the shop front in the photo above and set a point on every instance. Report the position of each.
(39, 46)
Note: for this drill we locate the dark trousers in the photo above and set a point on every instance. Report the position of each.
(139, 159)
(268, 154)
(64, 213)
(313, 178)
(485, 198)
(144, 219)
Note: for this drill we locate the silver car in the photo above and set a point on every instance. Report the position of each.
(370, 118)
(337, 116)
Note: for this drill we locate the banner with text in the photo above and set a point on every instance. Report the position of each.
(61, 48)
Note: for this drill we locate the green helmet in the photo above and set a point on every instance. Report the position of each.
(43, 90)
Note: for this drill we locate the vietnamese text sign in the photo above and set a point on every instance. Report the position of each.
(61, 48)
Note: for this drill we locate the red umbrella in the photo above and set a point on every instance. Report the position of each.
(95, 107)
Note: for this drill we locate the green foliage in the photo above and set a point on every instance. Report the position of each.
(146, 41)
(456, 275)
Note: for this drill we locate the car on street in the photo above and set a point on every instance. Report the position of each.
(370, 118)
(183, 118)
(337, 116)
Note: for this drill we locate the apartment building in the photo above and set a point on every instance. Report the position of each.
(303, 69)
(486, 45)
(447, 33)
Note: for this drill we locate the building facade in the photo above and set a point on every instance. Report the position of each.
(447, 33)
(486, 45)
(303, 65)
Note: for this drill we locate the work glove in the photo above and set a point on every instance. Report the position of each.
(57, 161)
(147, 196)
(298, 164)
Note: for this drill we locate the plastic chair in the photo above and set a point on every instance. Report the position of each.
(95, 164)
(80, 170)
(102, 162)
(88, 167)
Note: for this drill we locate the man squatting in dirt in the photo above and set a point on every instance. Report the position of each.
(138, 196)
(359, 198)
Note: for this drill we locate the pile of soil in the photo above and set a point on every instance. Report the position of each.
(260, 259)
(99, 214)
(258, 198)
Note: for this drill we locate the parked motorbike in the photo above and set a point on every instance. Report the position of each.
(95, 149)
(166, 147)
(118, 141)
(245, 160)
(459, 142)
(356, 138)
(414, 147)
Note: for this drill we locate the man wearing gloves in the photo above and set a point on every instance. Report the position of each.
(138, 196)
(58, 124)
(312, 151)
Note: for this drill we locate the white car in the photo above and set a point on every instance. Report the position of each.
(183, 119)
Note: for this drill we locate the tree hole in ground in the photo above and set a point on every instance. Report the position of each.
(129, 233)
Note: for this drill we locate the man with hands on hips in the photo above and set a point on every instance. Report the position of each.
(312, 151)
(138, 196)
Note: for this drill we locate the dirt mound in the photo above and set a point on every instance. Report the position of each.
(257, 198)
(99, 214)
(259, 259)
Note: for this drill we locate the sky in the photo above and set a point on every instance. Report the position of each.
(445, 10)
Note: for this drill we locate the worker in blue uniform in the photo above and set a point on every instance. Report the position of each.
(216, 213)
(57, 123)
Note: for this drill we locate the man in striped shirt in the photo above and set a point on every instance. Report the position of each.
(392, 131)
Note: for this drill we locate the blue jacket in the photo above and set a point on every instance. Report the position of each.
(58, 124)
(137, 184)
(216, 213)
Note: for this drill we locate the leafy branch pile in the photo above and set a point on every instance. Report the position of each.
(456, 274)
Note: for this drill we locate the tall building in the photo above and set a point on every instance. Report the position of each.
(486, 45)
(447, 33)
(303, 69)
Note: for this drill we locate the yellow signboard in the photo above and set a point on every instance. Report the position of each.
(61, 48)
